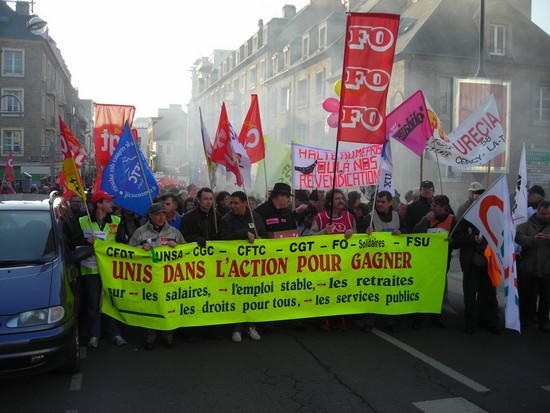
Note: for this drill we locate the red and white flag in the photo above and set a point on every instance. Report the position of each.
(368, 60)
(491, 215)
(109, 124)
(251, 136)
(222, 150)
(10, 171)
(73, 158)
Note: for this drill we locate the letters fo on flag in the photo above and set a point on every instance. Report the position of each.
(251, 136)
(368, 59)
(128, 177)
(409, 123)
(222, 150)
(9, 171)
(109, 124)
(491, 215)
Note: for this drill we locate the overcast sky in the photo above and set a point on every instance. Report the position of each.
(139, 52)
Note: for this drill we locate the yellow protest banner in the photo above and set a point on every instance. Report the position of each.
(275, 279)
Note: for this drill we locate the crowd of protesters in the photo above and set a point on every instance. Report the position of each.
(178, 216)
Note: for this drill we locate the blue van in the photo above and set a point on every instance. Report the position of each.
(39, 265)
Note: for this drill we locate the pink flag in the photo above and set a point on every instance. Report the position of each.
(409, 123)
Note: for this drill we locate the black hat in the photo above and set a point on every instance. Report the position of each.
(427, 184)
(156, 208)
(281, 188)
(536, 189)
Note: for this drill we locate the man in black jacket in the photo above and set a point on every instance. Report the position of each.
(275, 212)
(419, 208)
(241, 223)
(202, 223)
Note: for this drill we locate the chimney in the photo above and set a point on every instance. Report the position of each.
(22, 8)
(289, 11)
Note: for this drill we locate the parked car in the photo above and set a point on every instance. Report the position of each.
(38, 270)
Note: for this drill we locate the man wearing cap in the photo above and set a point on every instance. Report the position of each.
(535, 194)
(103, 227)
(275, 211)
(419, 208)
(472, 189)
(153, 234)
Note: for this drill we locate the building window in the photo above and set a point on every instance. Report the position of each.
(237, 57)
(275, 64)
(252, 74)
(262, 70)
(254, 43)
(302, 98)
(286, 58)
(273, 102)
(285, 99)
(243, 81)
(305, 47)
(12, 140)
(12, 102)
(445, 85)
(541, 104)
(322, 37)
(320, 84)
(497, 39)
(13, 62)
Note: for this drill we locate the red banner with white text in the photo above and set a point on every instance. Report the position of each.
(109, 124)
(368, 60)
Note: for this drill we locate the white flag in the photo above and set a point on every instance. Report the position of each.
(519, 210)
(491, 215)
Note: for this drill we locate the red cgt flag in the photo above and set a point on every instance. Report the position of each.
(251, 136)
(109, 124)
(222, 150)
(9, 171)
(368, 60)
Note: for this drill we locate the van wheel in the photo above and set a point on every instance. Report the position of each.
(72, 360)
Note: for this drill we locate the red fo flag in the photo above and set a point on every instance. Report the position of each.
(222, 150)
(251, 136)
(9, 171)
(368, 60)
(109, 124)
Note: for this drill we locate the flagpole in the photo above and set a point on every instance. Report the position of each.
(265, 176)
(488, 174)
(141, 168)
(210, 169)
(438, 167)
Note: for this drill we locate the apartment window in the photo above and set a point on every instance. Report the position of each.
(541, 104)
(320, 84)
(237, 56)
(255, 43)
(305, 47)
(285, 99)
(243, 81)
(13, 62)
(12, 102)
(445, 85)
(497, 39)
(12, 140)
(262, 70)
(273, 102)
(302, 92)
(322, 37)
(286, 58)
(252, 74)
(275, 64)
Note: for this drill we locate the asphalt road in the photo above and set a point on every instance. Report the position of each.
(432, 369)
